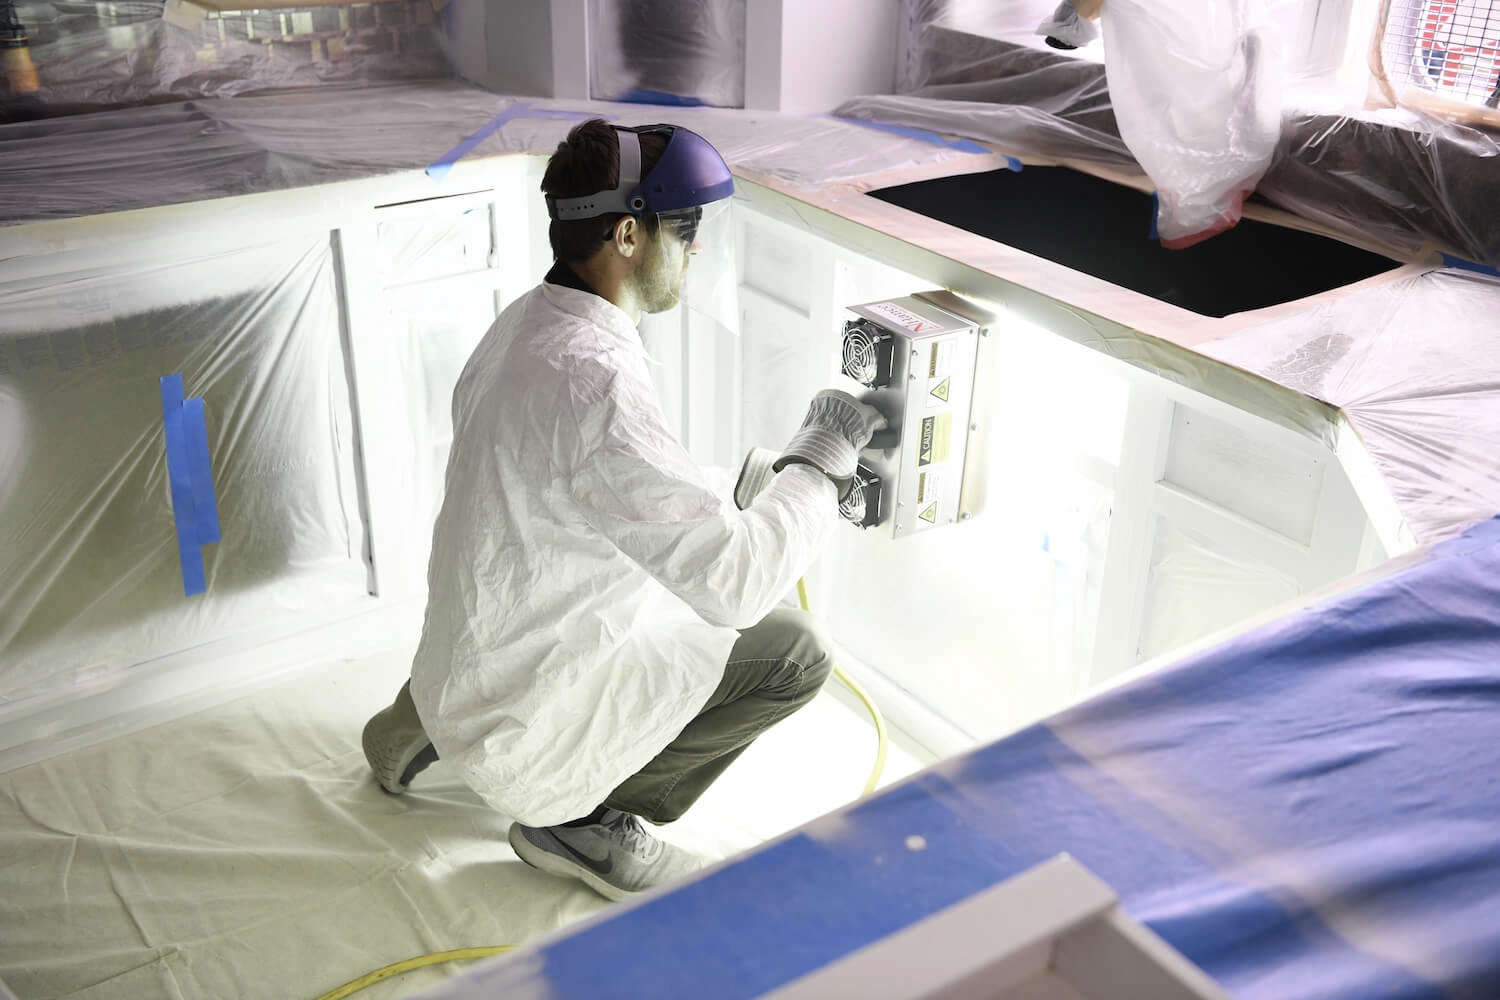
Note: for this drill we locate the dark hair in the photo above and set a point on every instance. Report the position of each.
(586, 162)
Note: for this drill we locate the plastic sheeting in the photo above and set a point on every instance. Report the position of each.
(1197, 93)
(1399, 180)
(995, 80)
(668, 51)
(1413, 365)
(199, 150)
(92, 55)
(91, 582)
(951, 42)
(246, 851)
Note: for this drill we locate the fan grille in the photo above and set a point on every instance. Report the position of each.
(862, 503)
(861, 359)
(867, 354)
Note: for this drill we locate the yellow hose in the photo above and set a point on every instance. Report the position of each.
(881, 740)
(437, 958)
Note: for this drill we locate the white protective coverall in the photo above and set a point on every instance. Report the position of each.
(586, 579)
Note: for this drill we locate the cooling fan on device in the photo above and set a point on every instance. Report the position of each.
(868, 351)
(862, 504)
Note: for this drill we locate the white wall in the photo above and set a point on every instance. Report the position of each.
(1126, 515)
(814, 56)
(503, 45)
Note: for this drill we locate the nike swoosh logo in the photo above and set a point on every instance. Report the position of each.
(597, 867)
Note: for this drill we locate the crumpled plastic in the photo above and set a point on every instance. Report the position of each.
(1197, 91)
(91, 57)
(1412, 365)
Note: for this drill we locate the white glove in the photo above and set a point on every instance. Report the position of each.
(1066, 29)
(755, 475)
(837, 427)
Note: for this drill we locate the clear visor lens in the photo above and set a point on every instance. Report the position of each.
(683, 225)
(700, 229)
(710, 285)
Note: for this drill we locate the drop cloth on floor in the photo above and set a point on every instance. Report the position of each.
(246, 852)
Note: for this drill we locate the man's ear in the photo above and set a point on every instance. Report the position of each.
(627, 236)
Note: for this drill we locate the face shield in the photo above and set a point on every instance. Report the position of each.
(704, 236)
(688, 192)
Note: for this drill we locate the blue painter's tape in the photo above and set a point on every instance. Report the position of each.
(520, 109)
(179, 477)
(1468, 265)
(438, 170)
(932, 138)
(205, 503)
(638, 96)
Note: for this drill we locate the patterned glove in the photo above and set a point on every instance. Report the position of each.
(837, 427)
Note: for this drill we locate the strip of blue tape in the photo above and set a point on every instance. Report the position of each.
(195, 506)
(638, 96)
(932, 138)
(1468, 265)
(205, 503)
(520, 109)
(181, 484)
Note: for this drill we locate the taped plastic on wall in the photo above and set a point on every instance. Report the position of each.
(685, 52)
(98, 55)
(1412, 364)
(90, 580)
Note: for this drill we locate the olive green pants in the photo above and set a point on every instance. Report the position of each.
(775, 668)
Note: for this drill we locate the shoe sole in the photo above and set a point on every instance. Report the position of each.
(553, 864)
(397, 753)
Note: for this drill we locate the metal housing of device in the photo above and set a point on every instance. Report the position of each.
(928, 400)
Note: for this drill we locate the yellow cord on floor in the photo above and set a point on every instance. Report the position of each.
(439, 957)
(436, 958)
(881, 740)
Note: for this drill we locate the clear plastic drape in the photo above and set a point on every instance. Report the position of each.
(92, 581)
(90, 56)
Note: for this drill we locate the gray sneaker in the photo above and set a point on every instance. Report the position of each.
(615, 857)
(396, 745)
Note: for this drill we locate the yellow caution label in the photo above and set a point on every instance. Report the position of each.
(937, 434)
(942, 389)
(930, 514)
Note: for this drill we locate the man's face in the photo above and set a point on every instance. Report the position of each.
(663, 266)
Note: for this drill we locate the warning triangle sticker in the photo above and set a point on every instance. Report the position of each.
(930, 514)
(941, 389)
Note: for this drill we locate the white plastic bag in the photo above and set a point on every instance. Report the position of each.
(1197, 91)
